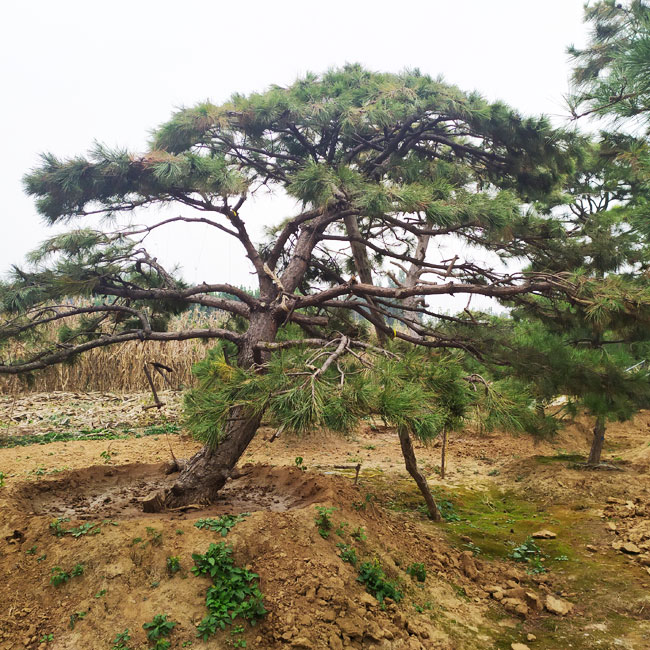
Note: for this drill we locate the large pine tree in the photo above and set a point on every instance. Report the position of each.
(383, 166)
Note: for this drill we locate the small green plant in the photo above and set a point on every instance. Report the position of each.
(299, 463)
(46, 638)
(362, 505)
(84, 529)
(180, 532)
(40, 558)
(239, 642)
(173, 564)
(56, 526)
(107, 455)
(348, 554)
(417, 570)
(76, 617)
(158, 628)
(234, 592)
(369, 447)
(323, 520)
(530, 553)
(31, 551)
(373, 577)
(473, 547)
(2, 479)
(101, 593)
(60, 577)
(121, 640)
(340, 531)
(447, 510)
(223, 524)
(155, 536)
(359, 534)
(561, 558)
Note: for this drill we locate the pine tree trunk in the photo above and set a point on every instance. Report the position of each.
(597, 442)
(412, 468)
(202, 476)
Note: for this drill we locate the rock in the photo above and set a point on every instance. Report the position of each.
(400, 620)
(328, 615)
(512, 584)
(531, 637)
(614, 500)
(367, 600)
(468, 565)
(374, 632)
(544, 534)
(631, 548)
(610, 526)
(515, 606)
(353, 626)
(519, 646)
(498, 595)
(591, 548)
(517, 592)
(287, 636)
(335, 642)
(557, 605)
(533, 601)
(302, 642)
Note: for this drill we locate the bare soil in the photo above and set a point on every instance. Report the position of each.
(499, 489)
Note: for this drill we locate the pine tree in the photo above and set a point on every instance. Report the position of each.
(379, 163)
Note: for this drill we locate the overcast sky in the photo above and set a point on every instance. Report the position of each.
(79, 71)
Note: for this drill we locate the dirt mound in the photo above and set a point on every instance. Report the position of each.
(115, 492)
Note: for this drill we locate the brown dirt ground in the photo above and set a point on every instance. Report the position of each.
(313, 598)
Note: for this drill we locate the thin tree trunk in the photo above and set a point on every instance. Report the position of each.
(412, 278)
(203, 475)
(443, 453)
(597, 442)
(362, 265)
(412, 468)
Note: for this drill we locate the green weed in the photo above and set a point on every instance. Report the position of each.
(417, 570)
(234, 592)
(158, 628)
(221, 525)
(323, 520)
(373, 577)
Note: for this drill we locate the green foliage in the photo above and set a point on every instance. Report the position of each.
(221, 524)
(234, 592)
(155, 536)
(84, 434)
(121, 640)
(529, 552)
(348, 554)
(372, 576)
(60, 577)
(88, 528)
(299, 463)
(417, 570)
(2, 479)
(76, 616)
(173, 564)
(158, 628)
(323, 520)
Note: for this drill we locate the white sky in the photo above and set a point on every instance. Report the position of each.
(75, 71)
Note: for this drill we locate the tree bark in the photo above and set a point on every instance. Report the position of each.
(202, 476)
(597, 442)
(362, 265)
(418, 477)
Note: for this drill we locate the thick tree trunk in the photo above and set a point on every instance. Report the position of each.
(202, 476)
(597, 442)
(412, 468)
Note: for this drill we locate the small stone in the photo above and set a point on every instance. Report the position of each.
(531, 637)
(610, 526)
(335, 642)
(630, 547)
(544, 534)
(591, 548)
(468, 565)
(557, 605)
(519, 646)
(302, 642)
(367, 600)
